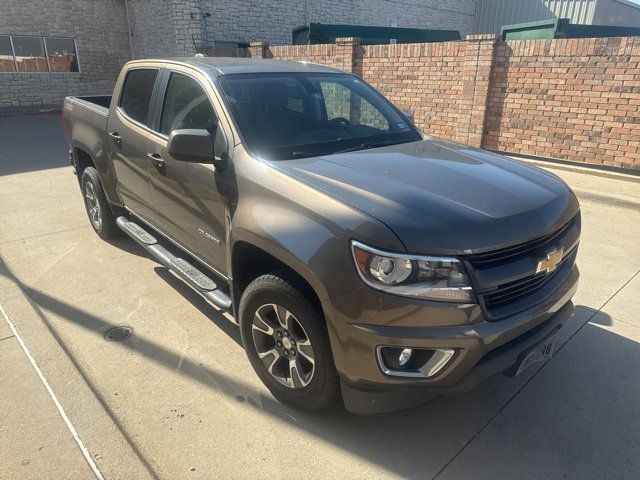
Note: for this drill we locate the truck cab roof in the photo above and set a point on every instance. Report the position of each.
(217, 66)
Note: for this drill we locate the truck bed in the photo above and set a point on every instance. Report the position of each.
(85, 120)
(96, 102)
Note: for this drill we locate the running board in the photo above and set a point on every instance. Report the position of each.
(190, 274)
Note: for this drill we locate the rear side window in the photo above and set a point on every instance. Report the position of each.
(136, 93)
(186, 105)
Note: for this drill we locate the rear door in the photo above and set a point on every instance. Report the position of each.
(186, 196)
(128, 132)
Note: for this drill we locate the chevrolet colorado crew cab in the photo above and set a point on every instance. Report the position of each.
(361, 258)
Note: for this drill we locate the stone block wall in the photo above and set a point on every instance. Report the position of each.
(102, 44)
(273, 21)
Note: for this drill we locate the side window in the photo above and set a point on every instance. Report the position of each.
(136, 93)
(186, 105)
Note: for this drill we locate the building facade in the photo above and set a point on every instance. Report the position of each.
(53, 48)
(491, 15)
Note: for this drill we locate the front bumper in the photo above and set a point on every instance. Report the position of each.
(482, 349)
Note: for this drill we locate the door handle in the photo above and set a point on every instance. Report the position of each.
(117, 139)
(156, 159)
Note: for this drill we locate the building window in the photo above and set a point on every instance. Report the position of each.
(28, 54)
(62, 54)
(7, 64)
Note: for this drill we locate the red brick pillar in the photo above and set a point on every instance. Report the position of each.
(479, 51)
(348, 54)
(258, 49)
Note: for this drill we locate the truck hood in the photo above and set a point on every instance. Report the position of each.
(441, 197)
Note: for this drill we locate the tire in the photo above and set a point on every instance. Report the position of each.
(97, 206)
(307, 333)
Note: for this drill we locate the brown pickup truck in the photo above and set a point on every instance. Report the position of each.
(360, 257)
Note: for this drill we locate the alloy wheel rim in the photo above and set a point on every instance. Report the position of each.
(283, 346)
(93, 206)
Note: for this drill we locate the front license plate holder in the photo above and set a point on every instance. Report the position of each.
(540, 352)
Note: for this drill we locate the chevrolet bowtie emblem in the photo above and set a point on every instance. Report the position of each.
(551, 261)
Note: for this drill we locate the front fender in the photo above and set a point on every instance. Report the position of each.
(306, 229)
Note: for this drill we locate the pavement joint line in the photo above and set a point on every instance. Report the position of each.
(43, 234)
(87, 380)
(7, 337)
(617, 320)
(63, 414)
(477, 434)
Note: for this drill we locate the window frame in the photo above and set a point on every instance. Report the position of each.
(154, 91)
(226, 125)
(43, 39)
(162, 94)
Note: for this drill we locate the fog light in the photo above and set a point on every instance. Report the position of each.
(404, 356)
(413, 362)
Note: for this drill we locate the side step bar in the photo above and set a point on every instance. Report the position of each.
(190, 274)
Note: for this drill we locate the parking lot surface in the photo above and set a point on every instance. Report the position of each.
(178, 399)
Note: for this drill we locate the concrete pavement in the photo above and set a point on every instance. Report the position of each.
(33, 435)
(180, 400)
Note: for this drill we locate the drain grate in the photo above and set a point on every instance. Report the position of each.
(118, 333)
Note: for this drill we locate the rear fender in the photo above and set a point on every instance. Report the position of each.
(95, 150)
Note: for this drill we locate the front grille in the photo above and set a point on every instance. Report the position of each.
(514, 291)
(522, 288)
(510, 254)
(517, 289)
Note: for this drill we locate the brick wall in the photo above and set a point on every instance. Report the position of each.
(102, 43)
(576, 100)
(323, 54)
(443, 84)
(573, 99)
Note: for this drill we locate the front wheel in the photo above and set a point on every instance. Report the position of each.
(287, 344)
(97, 205)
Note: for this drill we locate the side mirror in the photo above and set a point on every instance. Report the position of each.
(191, 145)
(220, 149)
(408, 115)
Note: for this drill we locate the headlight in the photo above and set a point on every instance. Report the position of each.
(431, 278)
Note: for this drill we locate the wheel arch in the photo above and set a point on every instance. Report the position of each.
(249, 261)
(81, 160)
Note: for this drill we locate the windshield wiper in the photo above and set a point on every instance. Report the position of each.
(303, 153)
(367, 146)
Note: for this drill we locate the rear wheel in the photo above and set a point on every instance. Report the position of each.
(97, 205)
(287, 344)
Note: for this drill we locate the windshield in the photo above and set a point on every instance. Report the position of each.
(294, 115)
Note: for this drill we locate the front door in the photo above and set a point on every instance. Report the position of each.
(188, 205)
(127, 136)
